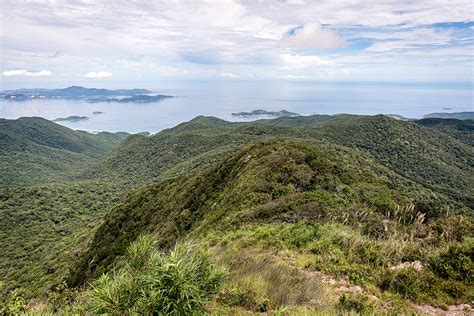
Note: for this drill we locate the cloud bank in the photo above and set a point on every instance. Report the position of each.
(26, 73)
(266, 39)
(98, 75)
(226, 74)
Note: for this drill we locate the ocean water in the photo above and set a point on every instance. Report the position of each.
(220, 99)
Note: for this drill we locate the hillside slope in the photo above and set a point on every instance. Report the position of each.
(45, 226)
(348, 196)
(419, 153)
(462, 130)
(34, 150)
(316, 199)
(265, 182)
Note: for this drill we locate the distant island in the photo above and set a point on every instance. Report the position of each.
(97, 112)
(92, 95)
(273, 114)
(458, 115)
(140, 98)
(72, 118)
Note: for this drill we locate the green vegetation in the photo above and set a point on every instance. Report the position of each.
(360, 303)
(301, 182)
(408, 268)
(462, 130)
(35, 150)
(424, 155)
(151, 282)
(323, 213)
(146, 281)
(45, 227)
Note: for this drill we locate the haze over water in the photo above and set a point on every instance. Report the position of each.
(220, 99)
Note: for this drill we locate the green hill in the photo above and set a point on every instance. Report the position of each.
(45, 212)
(268, 188)
(283, 203)
(462, 130)
(416, 152)
(34, 150)
(421, 154)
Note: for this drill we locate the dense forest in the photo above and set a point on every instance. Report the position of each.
(306, 214)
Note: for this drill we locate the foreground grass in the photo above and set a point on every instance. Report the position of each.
(398, 269)
(146, 282)
(275, 268)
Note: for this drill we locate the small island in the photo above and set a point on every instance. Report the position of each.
(257, 113)
(458, 115)
(141, 98)
(97, 112)
(72, 118)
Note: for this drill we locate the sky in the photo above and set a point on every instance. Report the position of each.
(230, 40)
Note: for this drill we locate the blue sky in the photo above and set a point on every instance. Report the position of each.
(87, 41)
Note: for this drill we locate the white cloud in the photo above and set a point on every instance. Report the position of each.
(294, 77)
(312, 35)
(26, 73)
(303, 61)
(191, 39)
(295, 2)
(226, 74)
(98, 75)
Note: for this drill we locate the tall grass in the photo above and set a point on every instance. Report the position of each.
(180, 282)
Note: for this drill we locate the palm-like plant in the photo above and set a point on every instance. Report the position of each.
(153, 282)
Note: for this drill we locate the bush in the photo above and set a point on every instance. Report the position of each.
(151, 282)
(455, 263)
(358, 302)
(405, 282)
(238, 297)
(451, 228)
(15, 303)
(61, 297)
(377, 228)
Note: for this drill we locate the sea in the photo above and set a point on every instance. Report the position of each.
(221, 99)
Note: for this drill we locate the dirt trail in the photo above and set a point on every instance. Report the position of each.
(341, 285)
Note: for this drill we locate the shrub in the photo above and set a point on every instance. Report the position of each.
(15, 303)
(61, 297)
(403, 281)
(358, 302)
(455, 263)
(453, 228)
(238, 297)
(152, 282)
(376, 227)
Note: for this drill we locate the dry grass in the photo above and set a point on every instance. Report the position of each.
(269, 284)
